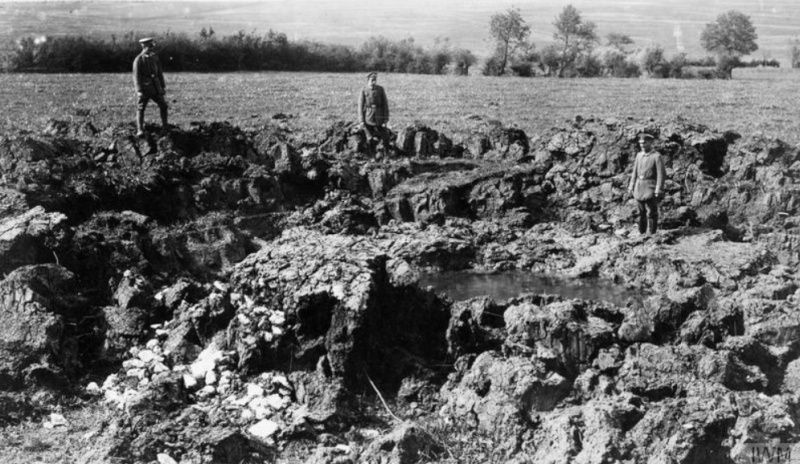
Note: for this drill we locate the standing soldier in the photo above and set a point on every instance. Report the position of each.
(148, 77)
(373, 110)
(647, 184)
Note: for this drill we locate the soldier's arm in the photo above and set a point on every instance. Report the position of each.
(136, 79)
(361, 107)
(660, 174)
(634, 173)
(385, 103)
(160, 71)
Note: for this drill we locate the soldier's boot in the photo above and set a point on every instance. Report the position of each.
(164, 112)
(642, 225)
(652, 226)
(139, 123)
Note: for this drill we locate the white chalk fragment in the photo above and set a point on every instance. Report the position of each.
(220, 286)
(211, 378)
(338, 291)
(55, 420)
(189, 381)
(254, 390)
(281, 380)
(138, 373)
(260, 408)
(134, 363)
(276, 401)
(277, 318)
(342, 448)
(207, 391)
(206, 361)
(369, 434)
(147, 356)
(263, 429)
(165, 459)
(159, 367)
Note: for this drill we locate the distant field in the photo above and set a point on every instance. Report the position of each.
(451, 104)
(675, 24)
(767, 73)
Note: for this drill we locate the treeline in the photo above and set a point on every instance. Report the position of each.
(578, 51)
(208, 52)
(609, 61)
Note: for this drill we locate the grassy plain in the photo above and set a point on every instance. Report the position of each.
(454, 105)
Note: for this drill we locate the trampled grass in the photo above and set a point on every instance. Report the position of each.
(451, 104)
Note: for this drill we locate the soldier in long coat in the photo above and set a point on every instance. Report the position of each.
(373, 110)
(148, 78)
(647, 184)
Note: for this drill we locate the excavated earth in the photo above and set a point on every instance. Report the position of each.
(214, 295)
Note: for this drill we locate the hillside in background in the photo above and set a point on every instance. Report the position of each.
(676, 25)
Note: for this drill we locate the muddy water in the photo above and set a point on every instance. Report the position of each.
(464, 285)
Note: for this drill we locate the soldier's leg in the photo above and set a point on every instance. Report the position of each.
(385, 136)
(371, 132)
(164, 108)
(368, 131)
(642, 209)
(652, 216)
(141, 104)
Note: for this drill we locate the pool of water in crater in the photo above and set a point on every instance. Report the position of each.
(462, 285)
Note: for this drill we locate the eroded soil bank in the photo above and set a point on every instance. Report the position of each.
(217, 295)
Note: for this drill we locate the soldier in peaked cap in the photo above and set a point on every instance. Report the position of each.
(373, 110)
(647, 183)
(148, 78)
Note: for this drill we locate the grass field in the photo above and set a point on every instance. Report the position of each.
(454, 105)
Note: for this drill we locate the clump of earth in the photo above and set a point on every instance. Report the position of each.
(215, 295)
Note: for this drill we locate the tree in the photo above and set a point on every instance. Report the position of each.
(549, 59)
(731, 35)
(524, 62)
(463, 59)
(676, 65)
(617, 64)
(509, 32)
(794, 52)
(441, 56)
(618, 41)
(652, 61)
(575, 37)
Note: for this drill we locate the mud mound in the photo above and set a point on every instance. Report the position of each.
(209, 167)
(339, 308)
(38, 337)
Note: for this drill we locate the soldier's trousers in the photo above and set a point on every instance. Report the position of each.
(143, 97)
(380, 133)
(648, 215)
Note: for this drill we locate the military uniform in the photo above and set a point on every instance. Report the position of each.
(647, 184)
(148, 78)
(373, 112)
(373, 107)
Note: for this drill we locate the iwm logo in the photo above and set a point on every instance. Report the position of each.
(769, 453)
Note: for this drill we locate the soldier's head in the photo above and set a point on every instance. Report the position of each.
(645, 141)
(147, 43)
(372, 79)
